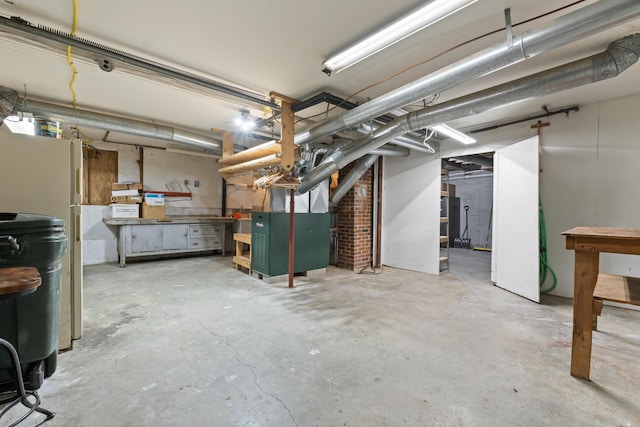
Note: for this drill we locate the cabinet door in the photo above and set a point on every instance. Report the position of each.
(174, 236)
(146, 238)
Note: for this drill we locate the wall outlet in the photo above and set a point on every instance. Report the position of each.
(196, 183)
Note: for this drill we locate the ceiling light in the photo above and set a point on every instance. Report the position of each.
(23, 123)
(399, 29)
(452, 133)
(245, 122)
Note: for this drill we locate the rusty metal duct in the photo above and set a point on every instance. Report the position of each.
(12, 102)
(591, 19)
(619, 56)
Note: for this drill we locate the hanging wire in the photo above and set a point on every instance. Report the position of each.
(69, 61)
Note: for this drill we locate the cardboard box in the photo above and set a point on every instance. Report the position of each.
(134, 199)
(120, 210)
(124, 199)
(135, 186)
(153, 199)
(124, 192)
(119, 186)
(152, 212)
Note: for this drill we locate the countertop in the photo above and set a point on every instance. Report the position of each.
(190, 219)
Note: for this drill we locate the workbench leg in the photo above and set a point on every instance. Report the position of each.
(224, 239)
(238, 252)
(585, 276)
(121, 249)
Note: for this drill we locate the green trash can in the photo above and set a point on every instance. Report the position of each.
(31, 322)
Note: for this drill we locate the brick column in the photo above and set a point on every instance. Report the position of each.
(355, 223)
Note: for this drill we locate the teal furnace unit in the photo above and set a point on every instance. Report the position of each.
(270, 242)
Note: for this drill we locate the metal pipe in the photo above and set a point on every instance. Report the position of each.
(528, 119)
(347, 183)
(111, 123)
(18, 25)
(292, 229)
(591, 19)
(619, 56)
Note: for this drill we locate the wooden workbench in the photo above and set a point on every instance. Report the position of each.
(588, 242)
(242, 258)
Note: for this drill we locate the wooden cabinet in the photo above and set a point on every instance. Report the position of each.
(145, 237)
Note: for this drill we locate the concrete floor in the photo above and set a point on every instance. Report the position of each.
(194, 342)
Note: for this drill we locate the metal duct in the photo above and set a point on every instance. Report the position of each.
(411, 142)
(619, 56)
(347, 183)
(391, 151)
(577, 25)
(108, 122)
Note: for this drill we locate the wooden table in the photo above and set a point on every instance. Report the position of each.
(588, 242)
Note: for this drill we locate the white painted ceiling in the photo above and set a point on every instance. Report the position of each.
(274, 46)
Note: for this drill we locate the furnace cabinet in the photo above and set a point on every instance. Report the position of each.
(270, 242)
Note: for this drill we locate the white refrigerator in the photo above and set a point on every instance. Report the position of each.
(44, 175)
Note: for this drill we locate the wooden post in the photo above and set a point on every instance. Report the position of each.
(286, 142)
(291, 234)
(227, 151)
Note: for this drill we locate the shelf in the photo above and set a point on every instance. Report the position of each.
(445, 194)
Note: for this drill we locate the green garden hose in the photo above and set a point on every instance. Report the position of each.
(544, 265)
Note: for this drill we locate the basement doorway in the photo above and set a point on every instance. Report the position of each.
(469, 203)
(514, 234)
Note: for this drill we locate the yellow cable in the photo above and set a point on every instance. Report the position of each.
(69, 61)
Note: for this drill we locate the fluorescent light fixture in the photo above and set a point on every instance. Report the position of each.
(452, 133)
(23, 123)
(432, 12)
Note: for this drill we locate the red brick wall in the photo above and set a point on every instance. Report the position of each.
(355, 223)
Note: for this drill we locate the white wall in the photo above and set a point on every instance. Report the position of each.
(411, 212)
(589, 175)
(477, 193)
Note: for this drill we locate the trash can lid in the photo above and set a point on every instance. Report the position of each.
(19, 221)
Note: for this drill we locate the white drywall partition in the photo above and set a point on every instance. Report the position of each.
(515, 254)
(411, 213)
(590, 167)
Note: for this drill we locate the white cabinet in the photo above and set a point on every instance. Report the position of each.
(144, 237)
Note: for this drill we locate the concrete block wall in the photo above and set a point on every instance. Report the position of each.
(355, 226)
